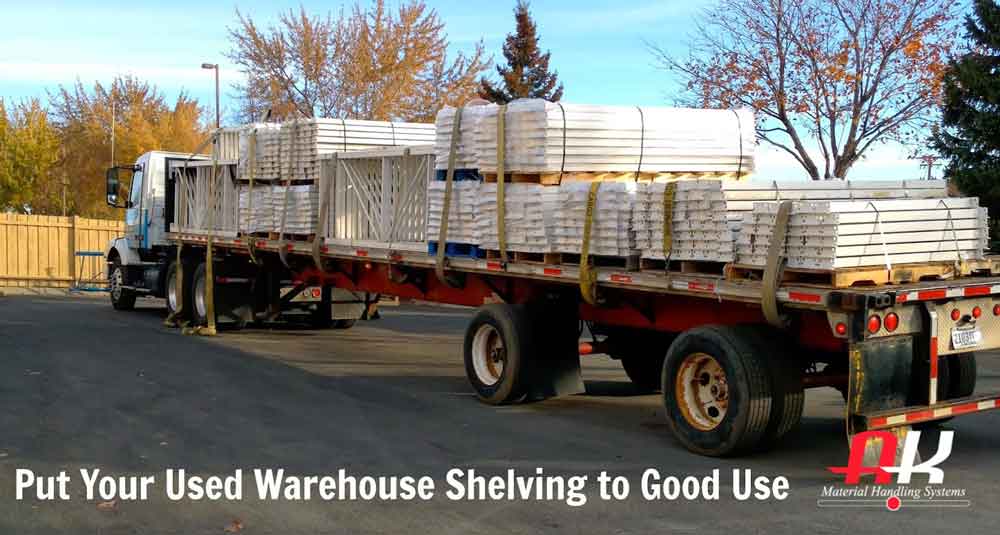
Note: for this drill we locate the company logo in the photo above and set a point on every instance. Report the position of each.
(875, 453)
(884, 469)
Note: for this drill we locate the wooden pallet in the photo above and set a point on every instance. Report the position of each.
(628, 263)
(869, 276)
(706, 267)
(553, 179)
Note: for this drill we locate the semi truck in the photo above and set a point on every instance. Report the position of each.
(730, 356)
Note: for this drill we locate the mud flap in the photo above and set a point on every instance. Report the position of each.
(556, 367)
(879, 379)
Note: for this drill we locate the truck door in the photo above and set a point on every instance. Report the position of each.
(135, 219)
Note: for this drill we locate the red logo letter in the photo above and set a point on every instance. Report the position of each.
(856, 461)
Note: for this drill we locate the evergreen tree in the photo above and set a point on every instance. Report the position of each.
(526, 74)
(970, 135)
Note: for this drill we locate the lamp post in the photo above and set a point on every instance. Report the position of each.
(215, 66)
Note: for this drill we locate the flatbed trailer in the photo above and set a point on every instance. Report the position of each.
(827, 337)
(732, 355)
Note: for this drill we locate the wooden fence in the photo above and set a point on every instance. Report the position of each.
(41, 251)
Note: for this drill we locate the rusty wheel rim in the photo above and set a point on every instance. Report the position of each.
(702, 391)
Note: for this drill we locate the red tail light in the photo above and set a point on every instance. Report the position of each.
(955, 315)
(976, 312)
(996, 310)
(841, 328)
(891, 321)
(874, 324)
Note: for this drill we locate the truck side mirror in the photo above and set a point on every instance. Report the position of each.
(111, 176)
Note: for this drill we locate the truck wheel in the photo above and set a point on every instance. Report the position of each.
(199, 308)
(788, 395)
(963, 375)
(717, 391)
(122, 298)
(343, 324)
(171, 295)
(497, 344)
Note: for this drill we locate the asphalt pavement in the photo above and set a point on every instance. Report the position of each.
(84, 386)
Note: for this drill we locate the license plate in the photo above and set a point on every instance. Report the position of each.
(966, 339)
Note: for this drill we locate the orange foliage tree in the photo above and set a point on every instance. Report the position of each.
(143, 121)
(846, 73)
(367, 63)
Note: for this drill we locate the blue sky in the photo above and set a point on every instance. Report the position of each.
(598, 48)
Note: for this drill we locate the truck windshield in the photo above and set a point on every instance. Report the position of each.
(135, 194)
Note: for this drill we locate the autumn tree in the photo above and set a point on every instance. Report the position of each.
(970, 133)
(143, 121)
(364, 63)
(837, 76)
(526, 72)
(29, 149)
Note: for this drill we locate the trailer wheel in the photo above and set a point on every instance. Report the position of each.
(717, 391)
(497, 343)
(170, 292)
(788, 395)
(199, 308)
(343, 324)
(963, 375)
(122, 298)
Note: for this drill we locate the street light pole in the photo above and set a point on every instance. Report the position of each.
(215, 66)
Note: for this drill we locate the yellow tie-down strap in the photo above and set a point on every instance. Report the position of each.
(501, 199)
(588, 278)
(668, 221)
(449, 177)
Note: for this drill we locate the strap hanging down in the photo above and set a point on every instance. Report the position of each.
(588, 278)
(449, 177)
(501, 199)
(327, 178)
(253, 167)
(668, 221)
(775, 265)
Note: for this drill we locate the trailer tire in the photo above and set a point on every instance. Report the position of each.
(963, 375)
(169, 290)
(121, 298)
(498, 343)
(343, 324)
(788, 395)
(199, 310)
(724, 364)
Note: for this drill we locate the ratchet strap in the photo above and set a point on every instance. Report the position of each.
(251, 244)
(282, 249)
(501, 199)
(456, 130)
(327, 175)
(588, 278)
(774, 266)
(668, 221)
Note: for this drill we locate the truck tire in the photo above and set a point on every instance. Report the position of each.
(717, 391)
(498, 345)
(170, 291)
(788, 395)
(121, 298)
(962, 369)
(343, 324)
(199, 308)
